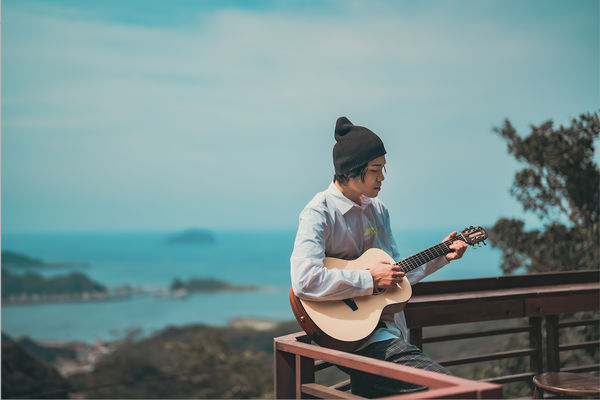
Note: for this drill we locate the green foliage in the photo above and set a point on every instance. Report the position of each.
(560, 184)
(187, 362)
(49, 354)
(122, 376)
(24, 374)
(219, 372)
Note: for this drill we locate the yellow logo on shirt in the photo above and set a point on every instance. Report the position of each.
(370, 231)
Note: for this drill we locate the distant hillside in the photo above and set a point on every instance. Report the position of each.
(49, 354)
(188, 362)
(25, 376)
(11, 259)
(192, 236)
(32, 283)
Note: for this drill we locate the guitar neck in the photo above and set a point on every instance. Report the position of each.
(414, 261)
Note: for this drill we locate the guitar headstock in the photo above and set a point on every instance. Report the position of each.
(473, 235)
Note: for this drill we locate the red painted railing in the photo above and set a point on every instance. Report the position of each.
(295, 368)
(538, 298)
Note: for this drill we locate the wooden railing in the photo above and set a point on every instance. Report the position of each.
(538, 298)
(295, 369)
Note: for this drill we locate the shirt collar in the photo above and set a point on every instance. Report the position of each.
(342, 202)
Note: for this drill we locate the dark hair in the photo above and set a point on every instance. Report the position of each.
(361, 171)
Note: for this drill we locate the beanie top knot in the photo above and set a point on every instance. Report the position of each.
(342, 127)
(355, 146)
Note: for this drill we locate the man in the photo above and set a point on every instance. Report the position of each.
(343, 222)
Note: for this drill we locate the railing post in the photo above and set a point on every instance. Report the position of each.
(305, 373)
(284, 375)
(416, 337)
(536, 362)
(552, 350)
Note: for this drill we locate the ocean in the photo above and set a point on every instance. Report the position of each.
(145, 260)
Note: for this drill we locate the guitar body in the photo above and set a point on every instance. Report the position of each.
(337, 324)
(346, 324)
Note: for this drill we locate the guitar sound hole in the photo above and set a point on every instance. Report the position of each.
(378, 291)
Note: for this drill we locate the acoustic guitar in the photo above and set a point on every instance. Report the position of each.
(347, 324)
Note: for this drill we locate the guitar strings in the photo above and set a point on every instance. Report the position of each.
(414, 261)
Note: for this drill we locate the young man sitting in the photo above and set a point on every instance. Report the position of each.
(343, 222)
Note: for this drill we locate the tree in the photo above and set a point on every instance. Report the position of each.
(560, 184)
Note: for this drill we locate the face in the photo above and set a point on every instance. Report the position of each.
(373, 178)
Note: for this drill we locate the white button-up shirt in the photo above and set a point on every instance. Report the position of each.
(331, 225)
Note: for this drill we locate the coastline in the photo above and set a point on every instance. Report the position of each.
(123, 293)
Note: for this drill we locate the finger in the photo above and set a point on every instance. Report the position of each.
(459, 244)
(450, 236)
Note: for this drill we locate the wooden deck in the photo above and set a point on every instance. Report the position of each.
(540, 298)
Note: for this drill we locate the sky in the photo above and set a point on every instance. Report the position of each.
(148, 115)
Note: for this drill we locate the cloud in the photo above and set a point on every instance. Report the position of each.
(241, 103)
(238, 61)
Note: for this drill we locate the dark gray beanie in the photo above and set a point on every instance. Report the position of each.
(355, 146)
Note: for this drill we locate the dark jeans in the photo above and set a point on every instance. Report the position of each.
(394, 350)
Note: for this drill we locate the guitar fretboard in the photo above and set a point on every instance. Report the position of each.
(414, 261)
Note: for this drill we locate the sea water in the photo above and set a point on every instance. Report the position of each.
(147, 261)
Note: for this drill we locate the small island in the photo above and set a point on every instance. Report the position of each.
(208, 285)
(192, 236)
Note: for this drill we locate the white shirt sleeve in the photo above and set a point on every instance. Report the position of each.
(429, 268)
(311, 280)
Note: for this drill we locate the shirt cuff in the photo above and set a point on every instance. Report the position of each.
(436, 264)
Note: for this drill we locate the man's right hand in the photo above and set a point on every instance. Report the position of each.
(386, 275)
